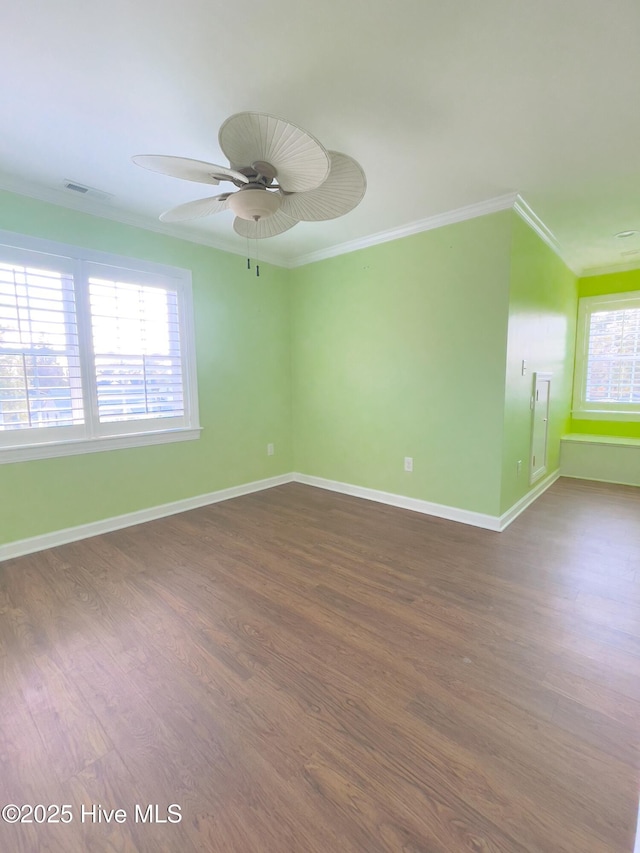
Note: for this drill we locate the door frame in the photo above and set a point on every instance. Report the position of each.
(544, 376)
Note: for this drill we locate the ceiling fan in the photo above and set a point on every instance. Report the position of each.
(283, 175)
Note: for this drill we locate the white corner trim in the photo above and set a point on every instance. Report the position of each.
(519, 507)
(451, 513)
(471, 211)
(118, 522)
(546, 235)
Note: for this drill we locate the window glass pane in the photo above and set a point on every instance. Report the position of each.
(613, 364)
(40, 382)
(136, 343)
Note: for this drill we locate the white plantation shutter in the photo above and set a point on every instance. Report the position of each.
(608, 357)
(613, 369)
(92, 352)
(40, 386)
(137, 355)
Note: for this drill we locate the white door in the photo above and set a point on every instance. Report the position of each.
(540, 424)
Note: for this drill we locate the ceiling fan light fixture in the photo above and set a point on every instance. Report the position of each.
(254, 203)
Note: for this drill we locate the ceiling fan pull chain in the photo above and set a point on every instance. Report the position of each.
(248, 255)
(257, 263)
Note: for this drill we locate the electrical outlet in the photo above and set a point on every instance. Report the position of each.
(270, 450)
(524, 367)
(408, 463)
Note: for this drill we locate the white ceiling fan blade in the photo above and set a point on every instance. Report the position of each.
(302, 163)
(196, 209)
(268, 227)
(189, 170)
(343, 190)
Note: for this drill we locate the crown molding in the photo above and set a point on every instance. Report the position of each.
(102, 210)
(471, 211)
(509, 201)
(533, 220)
(526, 213)
(628, 266)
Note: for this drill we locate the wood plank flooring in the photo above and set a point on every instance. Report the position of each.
(306, 672)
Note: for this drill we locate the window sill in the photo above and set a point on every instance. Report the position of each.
(609, 440)
(600, 415)
(51, 450)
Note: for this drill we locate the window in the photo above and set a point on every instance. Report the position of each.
(607, 378)
(96, 351)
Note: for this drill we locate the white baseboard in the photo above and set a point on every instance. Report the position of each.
(118, 522)
(107, 525)
(511, 514)
(496, 523)
(451, 513)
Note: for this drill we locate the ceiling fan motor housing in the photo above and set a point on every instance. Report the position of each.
(254, 202)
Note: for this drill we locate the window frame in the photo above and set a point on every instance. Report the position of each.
(39, 443)
(584, 409)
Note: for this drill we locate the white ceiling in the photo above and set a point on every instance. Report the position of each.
(445, 104)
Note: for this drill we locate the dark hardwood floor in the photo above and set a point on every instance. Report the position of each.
(306, 672)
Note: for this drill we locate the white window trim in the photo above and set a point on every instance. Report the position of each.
(47, 450)
(44, 447)
(583, 409)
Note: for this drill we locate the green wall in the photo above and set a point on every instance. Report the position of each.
(243, 358)
(598, 285)
(399, 350)
(542, 324)
(408, 348)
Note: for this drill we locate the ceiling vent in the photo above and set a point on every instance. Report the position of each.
(87, 192)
